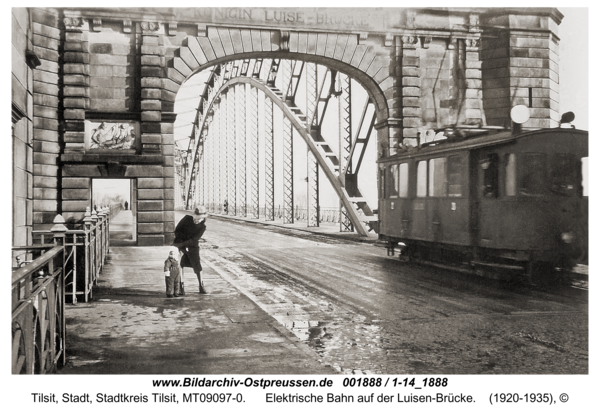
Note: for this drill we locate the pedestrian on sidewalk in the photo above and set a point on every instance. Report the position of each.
(172, 275)
(188, 235)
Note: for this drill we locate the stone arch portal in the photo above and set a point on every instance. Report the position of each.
(114, 74)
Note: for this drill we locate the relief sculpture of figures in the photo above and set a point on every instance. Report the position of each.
(112, 136)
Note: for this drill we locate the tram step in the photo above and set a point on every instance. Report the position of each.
(498, 266)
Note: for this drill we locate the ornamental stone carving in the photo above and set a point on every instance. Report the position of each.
(410, 42)
(73, 23)
(473, 22)
(284, 40)
(149, 26)
(426, 41)
(472, 43)
(389, 40)
(112, 135)
(96, 24)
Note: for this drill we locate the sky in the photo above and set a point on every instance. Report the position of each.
(574, 63)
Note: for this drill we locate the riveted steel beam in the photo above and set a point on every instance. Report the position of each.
(269, 161)
(288, 171)
(325, 159)
(253, 148)
(345, 131)
(273, 71)
(312, 189)
(231, 151)
(288, 148)
(242, 142)
(312, 167)
(364, 130)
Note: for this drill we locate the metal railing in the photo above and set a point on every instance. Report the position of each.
(86, 251)
(38, 311)
(61, 263)
(326, 215)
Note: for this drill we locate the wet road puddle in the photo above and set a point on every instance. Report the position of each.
(343, 339)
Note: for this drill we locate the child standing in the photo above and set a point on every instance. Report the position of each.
(172, 275)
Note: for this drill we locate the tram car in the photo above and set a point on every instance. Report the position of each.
(493, 202)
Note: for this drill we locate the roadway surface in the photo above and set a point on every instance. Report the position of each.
(362, 311)
(292, 300)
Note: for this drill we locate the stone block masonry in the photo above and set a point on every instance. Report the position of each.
(46, 141)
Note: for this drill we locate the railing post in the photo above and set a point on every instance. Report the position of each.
(94, 246)
(102, 225)
(59, 231)
(108, 219)
(87, 226)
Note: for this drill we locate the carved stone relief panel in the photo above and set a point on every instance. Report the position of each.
(109, 135)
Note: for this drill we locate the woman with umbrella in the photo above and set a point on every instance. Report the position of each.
(188, 235)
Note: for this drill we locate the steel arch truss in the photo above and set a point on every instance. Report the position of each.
(213, 169)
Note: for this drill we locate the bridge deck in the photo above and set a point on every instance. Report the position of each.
(130, 327)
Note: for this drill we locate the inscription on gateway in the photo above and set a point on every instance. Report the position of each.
(310, 17)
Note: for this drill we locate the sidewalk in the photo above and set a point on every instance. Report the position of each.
(130, 327)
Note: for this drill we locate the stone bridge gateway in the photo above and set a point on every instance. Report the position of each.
(77, 70)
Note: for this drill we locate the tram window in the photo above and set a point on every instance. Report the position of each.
(564, 174)
(392, 181)
(454, 176)
(533, 175)
(403, 188)
(489, 165)
(422, 179)
(510, 174)
(584, 176)
(437, 177)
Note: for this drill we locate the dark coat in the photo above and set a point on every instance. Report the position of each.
(172, 266)
(187, 235)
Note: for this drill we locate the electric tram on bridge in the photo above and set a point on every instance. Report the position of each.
(489, 201)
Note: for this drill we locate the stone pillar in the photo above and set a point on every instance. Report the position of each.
(155, 183)
(168, 154)
(520, 67)
(23, 62)
(152, 62)
(473, 85)
(411, 95)
(75, 190)
(46, 140)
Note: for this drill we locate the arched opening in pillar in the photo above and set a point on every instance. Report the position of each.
(276, 139)
(120, 196)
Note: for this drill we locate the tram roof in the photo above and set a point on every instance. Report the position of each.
(486, 138)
